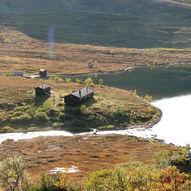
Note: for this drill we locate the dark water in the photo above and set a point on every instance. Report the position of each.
(159, 82)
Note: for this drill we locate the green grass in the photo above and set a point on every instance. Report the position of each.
(110, 108)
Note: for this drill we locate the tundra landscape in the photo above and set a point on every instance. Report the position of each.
(77, 82)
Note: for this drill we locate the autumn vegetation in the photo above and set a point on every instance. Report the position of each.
(109, 39)
(110, 108)
(123, 177)
(26, 54)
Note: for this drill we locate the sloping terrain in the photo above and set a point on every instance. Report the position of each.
(19, 52)
(122, 23)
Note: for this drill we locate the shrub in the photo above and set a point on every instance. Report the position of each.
(148, 97)
(137, 177)
(119, 110)
(61, 117)
(68, 80)
(22, 119)
(13, 175)
(7, 129)
(90, 64)
(58, 182)
(41, 117)
(162, 158)
(88, 81)
(100, 81)
(79, 81)
(83, 108)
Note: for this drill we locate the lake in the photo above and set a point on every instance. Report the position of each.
(175, 124)
(173, 82)
(160, 82)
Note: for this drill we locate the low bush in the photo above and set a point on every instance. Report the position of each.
(138, 177)
(22, 119)
(58, 182)
(40, 117)
(7, 129)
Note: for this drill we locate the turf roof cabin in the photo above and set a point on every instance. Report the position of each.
(43, 90)
(79, 96)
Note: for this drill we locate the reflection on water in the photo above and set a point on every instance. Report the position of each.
(175, 125)
(159, 82)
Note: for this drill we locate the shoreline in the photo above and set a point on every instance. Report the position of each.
(104, 73)
(114, 71)
(47, 133)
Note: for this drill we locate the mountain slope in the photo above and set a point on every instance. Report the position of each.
(123, 23)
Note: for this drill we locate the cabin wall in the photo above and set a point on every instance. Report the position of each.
(43, 73)
(40, 91)
(71, 99)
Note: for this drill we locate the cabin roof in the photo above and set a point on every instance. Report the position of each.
(44, 86)
(84, 91)
(42, 70)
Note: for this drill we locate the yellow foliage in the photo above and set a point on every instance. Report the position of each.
(148, 97)
(56, 78)
(60, 80)
(149, 109)
(79, 81)
(62, 181)
(68, 80)
(4, 38)
(100, 81)
(88, 81)
(135, 92)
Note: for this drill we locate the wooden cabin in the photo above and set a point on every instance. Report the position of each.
(78, 96)
(43, 73)
(43, 90)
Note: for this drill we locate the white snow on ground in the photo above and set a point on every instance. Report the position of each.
(72, 169)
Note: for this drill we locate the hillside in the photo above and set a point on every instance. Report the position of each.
(122, 23)
(110, 108)
(19, 52)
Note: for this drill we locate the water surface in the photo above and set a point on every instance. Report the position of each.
(160, 82)
(175, 125)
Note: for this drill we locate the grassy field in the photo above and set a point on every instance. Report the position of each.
(110, 108)
(46, 153)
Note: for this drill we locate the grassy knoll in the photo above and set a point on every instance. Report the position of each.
(87, 153)
(109, 109)
(19, 52)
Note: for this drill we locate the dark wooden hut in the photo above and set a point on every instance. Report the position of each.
(78, 96)
(43, 90)
(43, 73)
